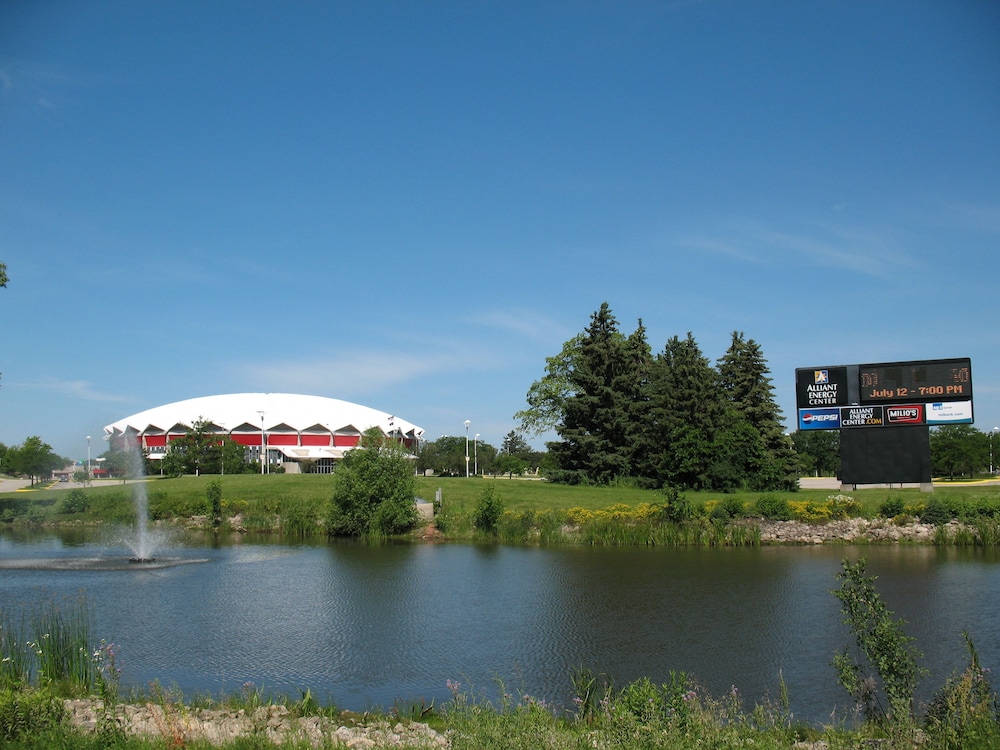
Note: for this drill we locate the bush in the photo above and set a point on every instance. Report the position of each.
(28, 713)
(773, 507)
(963, 713)
(214, 495)
(884, 652)
(892, 507)
(489, 509)
(74, 501)
(731, 507)
(677, 508)
(936, 512)
(373, 490)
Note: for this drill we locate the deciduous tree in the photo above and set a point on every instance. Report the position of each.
(33, 458)
(373, 490)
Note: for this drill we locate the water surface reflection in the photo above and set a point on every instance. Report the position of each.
(363, 626)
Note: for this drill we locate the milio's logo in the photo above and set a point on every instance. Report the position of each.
(904, 415)
(821, 376)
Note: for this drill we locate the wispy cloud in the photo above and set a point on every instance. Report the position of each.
(81, 389)
(359, 372)
(522, 322)
(855, 249)
(728, 248)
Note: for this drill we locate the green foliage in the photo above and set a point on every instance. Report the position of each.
(28, 714)
(936, 512)
(547, 397)
(818, 452)
(674, 419)
(594, 446)
(33, 459)
(959, 450)
(730, 507)
(892, 507)
(74, 501)
(373, 490)
(773, 507)
(202, 451)
(489, 510)
(963, 713)
(884, 664)
(677, 509)
(299, 516)
(213, 494)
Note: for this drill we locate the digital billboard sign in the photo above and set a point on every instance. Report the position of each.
(886, 394)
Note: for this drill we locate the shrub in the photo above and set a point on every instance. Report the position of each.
(213, 493)
(28, 713)
(677, 508)
(963, 713)
(731, 507)
(892, 507)
(843, 506)
(74, 501)
(489, 509)
(936, 512)
(773, 507)
(886, 652)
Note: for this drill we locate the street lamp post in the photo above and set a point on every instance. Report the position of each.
(263, 445)
(992, 433)
(88, 459)
(467, 423)
(475, 453)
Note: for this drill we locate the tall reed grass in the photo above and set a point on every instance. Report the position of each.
(49, 645)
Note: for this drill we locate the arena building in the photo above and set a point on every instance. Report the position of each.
(299, 433)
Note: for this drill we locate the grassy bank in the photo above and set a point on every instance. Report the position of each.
(532, 511)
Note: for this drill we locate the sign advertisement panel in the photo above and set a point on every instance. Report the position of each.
(819, 419)
(904, 414)
(952, 412)
(862, 416)
(821, 387)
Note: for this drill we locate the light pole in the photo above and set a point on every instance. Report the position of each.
(263, 446)
(475, 449)
(88, 459)
(467, 423)
(992, 432)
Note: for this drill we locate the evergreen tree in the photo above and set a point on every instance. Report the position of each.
(594, 430)
(686, 411)
(636, 386)
(768, 458)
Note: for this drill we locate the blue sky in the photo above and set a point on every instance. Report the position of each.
(411, 204)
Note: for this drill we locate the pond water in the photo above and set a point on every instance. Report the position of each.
(367, 626)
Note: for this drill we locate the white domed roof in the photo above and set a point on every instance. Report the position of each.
(236, 410)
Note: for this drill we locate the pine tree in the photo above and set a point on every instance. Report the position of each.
(595, 425)
(768, 460)
(686, 411)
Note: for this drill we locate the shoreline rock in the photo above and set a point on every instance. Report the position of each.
(849, 531)
(181, 724)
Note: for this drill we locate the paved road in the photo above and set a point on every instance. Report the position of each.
(13, 485)
(832, 483)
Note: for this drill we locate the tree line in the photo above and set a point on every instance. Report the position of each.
(670, 419)
(34, 459)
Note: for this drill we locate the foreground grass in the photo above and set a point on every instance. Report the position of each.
(641, 715)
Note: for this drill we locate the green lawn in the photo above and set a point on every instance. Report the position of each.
(186, 496)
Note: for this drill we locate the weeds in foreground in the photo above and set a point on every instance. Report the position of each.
(883, 673)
